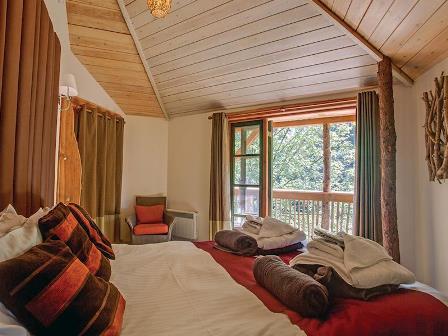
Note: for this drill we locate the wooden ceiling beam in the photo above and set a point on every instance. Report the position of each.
(138, 45)
(360, 40)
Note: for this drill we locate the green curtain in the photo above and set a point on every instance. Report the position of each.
(367, 221)
(100, 142)
(219, 213)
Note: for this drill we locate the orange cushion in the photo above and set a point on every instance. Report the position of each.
(149, 214)
(150, 229)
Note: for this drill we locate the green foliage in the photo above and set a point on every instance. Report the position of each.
(297, 158)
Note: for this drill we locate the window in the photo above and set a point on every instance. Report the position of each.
(296, 164)
(246, 177)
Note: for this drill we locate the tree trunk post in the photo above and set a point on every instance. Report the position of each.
(388, 139)
(327, 175)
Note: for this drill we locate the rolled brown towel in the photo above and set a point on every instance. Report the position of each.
(237, 242)
(295, 290)
(337, 287)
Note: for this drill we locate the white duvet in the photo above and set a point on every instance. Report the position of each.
(177, 289)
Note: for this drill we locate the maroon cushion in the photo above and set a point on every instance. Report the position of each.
(60, 223)
(151, 229)
(51, 292)
(149, 214)
(93, 231)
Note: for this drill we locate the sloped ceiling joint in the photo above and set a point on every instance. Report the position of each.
(361, 41)
(138, 45)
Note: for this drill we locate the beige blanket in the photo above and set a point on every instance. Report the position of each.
(177, 289)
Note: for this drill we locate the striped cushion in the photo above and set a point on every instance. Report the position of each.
(60, 223)
(93, 231)
(51, 292)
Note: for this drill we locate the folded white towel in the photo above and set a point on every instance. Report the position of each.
(270, 243)
(252, 224)
(275, 228)
(363, 263)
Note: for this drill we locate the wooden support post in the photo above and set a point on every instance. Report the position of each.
(327, 175)
(388, 139)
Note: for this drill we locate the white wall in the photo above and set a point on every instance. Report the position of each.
(431, 198)
(88, 87)
(145, 159)
(189, 167)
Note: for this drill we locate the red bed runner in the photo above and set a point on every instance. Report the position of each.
(406, 312)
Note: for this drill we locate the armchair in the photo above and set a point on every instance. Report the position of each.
(151, 233)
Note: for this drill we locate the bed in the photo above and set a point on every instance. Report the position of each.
(181, 288)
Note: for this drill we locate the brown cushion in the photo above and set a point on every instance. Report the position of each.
(93, 231)
(60, 223)
(150, 229)
(149, 214)
(51, 292)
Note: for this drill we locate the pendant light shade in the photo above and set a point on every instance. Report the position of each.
(159, 8)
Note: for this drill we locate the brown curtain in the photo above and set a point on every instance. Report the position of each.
(100, 142)
(219, 213)
(29, 68)
(367, 221)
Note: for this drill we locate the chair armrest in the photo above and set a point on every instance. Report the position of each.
(168, 219)
(131, 221)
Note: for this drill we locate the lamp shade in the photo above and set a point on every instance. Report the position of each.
(68, 86)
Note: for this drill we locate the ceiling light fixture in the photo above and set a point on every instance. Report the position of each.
(159, 8)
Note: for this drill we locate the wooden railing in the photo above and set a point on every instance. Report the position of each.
(309, 209)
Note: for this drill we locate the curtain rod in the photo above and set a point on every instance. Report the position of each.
(102, 111)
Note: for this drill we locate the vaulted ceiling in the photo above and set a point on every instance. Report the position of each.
(212, 55)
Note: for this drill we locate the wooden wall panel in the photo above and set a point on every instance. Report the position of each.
(100, 38)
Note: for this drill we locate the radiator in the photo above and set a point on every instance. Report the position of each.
(186, 224)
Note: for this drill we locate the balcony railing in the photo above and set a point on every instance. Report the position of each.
(309, 209)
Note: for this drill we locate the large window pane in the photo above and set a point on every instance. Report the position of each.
(297, 158)
(247, 170)
(246, 200)
(342, 156)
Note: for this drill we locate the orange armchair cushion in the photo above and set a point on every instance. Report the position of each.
(149, 214)
(150, 229)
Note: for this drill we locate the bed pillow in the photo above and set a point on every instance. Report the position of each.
(149, 214)
(10, 220)
(51, 292)
(20, 240)
(60, 223)
(93, 231)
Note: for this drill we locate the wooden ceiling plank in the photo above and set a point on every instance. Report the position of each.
(433, 27)
(125, 87)
(374, 15)
(344, 85)
(95, 17)
(109, 4)
(423, 11)
(184, 13)
(358, 66)
(251, 43)
(363, 43)
(306, 50)
(286, 85)
(227, 16)
(149, 104)
(131, 94)
(356, 12)
(100, 39)
(160, 54)
(340, 7)
(112, 64)
(306, 66)
(105, 54)
(140, 52)
(394, 16)
(435, 51)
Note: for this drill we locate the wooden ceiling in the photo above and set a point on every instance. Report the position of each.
(414, 33)
(221, 54)
(101, 40)
(208, 55)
